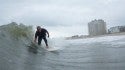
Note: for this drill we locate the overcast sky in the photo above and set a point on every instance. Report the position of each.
(62, 17)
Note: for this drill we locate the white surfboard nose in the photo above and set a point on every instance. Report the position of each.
(52, 49)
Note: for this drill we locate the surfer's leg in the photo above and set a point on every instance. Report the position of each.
(45, 40)
(39, 40)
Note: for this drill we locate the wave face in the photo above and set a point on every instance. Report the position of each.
(104, 53)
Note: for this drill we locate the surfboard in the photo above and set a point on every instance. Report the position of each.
(52, 49)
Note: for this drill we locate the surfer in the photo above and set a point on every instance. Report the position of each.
(41, 34)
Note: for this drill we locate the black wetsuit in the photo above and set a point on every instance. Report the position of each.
(41, 35)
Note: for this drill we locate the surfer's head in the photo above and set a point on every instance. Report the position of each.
(38, 28)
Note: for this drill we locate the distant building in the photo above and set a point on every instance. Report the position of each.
(116, 29)
(97, 27)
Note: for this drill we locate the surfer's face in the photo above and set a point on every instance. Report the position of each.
(38, 28)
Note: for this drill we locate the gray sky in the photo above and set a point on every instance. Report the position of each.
(62, 17)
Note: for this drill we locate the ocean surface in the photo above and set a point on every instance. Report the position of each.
(102, 53)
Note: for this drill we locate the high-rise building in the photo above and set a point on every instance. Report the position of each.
(97, 27)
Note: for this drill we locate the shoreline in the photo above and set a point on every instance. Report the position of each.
(87, 36)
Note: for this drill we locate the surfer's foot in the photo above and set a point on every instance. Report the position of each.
(47, 47)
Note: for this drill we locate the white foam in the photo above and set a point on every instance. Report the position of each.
(113, 40)
(57, 43)
(99, 39)
(62, 43)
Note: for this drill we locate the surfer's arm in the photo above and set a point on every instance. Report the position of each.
(36, 34)
(47, 33)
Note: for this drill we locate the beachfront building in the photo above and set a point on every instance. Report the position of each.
(116, 29)
(97, 27)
